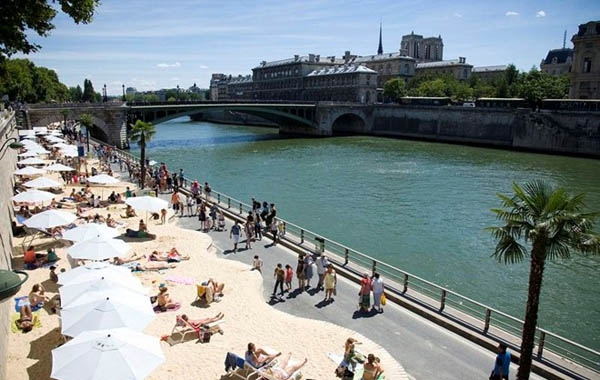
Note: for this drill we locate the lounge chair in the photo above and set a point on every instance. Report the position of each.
(183, 327)
(205, 293)
(242, 369)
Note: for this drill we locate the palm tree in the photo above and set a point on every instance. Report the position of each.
(551, 223)
(88, 123)
(141, 133)
(65, 114)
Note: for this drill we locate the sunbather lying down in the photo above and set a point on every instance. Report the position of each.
(285, 370)
(172, 256)
(125, 260)
(198, 323)
(26, 320)
(151, 266)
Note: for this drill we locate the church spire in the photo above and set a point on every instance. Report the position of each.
(380, 48)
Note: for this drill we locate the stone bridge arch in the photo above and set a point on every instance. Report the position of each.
(342, 120)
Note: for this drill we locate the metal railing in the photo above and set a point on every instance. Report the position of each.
(550, 348)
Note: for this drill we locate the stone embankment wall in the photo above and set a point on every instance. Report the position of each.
(575, 133)
(8, 158)
(228, 117)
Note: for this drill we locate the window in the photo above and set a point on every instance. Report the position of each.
(587, 65)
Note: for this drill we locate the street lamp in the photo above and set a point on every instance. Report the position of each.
(123, 85)
(105, 94)
(15, 144)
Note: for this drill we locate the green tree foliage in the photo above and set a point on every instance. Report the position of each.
(21, 80)
(141, 133)
(552, 224)
(432, 88)
(395, 89)
(88, 91)
(86, 121)
(75, 93)
(536, 85)
(18, 17)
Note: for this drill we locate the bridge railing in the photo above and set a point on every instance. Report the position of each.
(551, 348)
(199, 102)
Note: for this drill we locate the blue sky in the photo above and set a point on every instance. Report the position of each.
(152, 44)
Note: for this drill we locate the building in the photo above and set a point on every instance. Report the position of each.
(428, 49)
(347, 83)
(240, 87)
(458, 68)
(387, 65)
(557, 62)
(217, 79)
(130, 91)
(489, 73)
(284, 79)
(585, 70)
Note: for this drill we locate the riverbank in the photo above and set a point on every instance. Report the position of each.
(248, 318)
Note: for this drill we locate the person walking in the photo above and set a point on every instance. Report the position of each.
(330, 282)
(190, 205)
(322, 264)
(213, 216)
(248, 228)
(257, 228)
(235, 233)
(300, 272)
(308, 269)
(365, 293)
(181, 178)
(175, 201)
(279, 275)
(274, 230)
(377, 288)
(202, 217)
(502, 363)
(289, 275)
(207, 191)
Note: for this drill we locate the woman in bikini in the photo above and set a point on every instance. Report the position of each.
(198, 323)
(164, 301)
(372, 368)
(284, 370)
(26, 320)
(257, 357)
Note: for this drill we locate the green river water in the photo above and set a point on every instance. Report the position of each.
(419, 206)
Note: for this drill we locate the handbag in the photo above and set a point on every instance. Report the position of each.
(383, 299)
(205, 336)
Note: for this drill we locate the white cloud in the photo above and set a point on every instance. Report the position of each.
(540, 14)
(458, 15)
(168, 65)
(203, 67)
(511, 13)
(175, 78)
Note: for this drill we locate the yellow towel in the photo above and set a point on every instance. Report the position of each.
(15, 317)
(201, 290)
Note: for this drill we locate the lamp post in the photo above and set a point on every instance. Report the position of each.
(123, 86)
(105, 94)
(15, 144)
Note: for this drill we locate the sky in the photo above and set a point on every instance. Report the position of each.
(153, 44)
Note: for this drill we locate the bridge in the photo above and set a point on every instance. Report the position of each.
(111, 120)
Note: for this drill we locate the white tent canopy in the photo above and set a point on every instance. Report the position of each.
(29, 170)
(68, 293)
(105, 310)
(42, 183)
(107, 354)
(33, 196)
(94, 269)
(147, 203)
(59, 168)
(98, 248)
(89, 231)
(103, 179)
(29, 153)
(31, 161)
(50, 219)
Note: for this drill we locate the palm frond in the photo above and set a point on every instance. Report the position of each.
(508, 249)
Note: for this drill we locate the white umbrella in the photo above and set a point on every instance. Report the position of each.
(30, 137)
(147, 203)
(49, 219)
(59, 168)
(98, 248)
(69, 293)
(90, 230)
(29, 153)
(42, 183)
(28, 142)
(68, 153)
(33, 196)
(107, 354)
(31, 161)
(29, 170)
(106, 309)
(94, 269)
(37, 150)
(103, 179)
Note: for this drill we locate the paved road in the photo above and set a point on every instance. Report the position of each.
(425, 350)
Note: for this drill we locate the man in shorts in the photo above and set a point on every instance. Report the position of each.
(236, 231)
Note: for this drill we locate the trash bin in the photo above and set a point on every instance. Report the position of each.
(319, 244)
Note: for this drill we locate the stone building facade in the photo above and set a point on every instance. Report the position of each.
(348, 83)
(489, 73)
(387, 65)
(218, 80)
(429, 49)
(585, 70)
(240, 87)
(458, 68)
(557, 62)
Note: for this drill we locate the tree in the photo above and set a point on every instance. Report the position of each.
(141, 133)
(552, 224)
(88, 123)
(433, 88)
(395, 89)
(19, 17)
(75, 93)
(21, 80)
(88, 91)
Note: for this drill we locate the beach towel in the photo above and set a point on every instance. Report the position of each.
(158, 310)
(181, 280)
(15, 317)
(19, 301)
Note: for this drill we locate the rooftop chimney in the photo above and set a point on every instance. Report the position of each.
(296, 58)
(311, 58)
(332, 58)
(317, 58)
(462, 59)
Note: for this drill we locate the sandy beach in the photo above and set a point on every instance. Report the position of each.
(248, 317)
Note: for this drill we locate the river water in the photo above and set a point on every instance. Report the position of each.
(419, 206)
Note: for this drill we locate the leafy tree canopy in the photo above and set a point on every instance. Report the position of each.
(23, 81)
(17, 17)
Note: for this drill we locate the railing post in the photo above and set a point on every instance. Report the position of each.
(443, 300)
(219, 198)
(541, 345)
(405, 289)
(240, 208)
(301, 236)
(228, 202)
(284, 228)
(346, 254)
(374, 268)
(488, 317)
